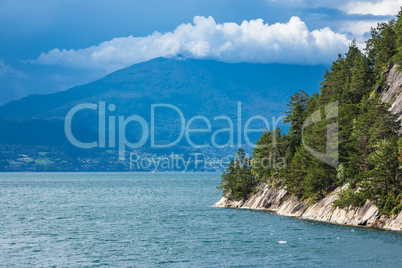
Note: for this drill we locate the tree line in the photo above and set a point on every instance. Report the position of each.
(369, 149)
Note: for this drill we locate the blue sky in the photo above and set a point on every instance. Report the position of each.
(47, 46)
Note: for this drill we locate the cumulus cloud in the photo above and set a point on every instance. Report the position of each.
(250, 41)
(379, 8)
(359, 29)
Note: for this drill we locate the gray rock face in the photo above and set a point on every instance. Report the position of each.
(279, 200)
(391, 91)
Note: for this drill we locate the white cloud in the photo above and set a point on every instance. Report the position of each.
(358, 29)
(251, 41)
(358, 7)
(379, 8)
(7, 71)
(312, 3)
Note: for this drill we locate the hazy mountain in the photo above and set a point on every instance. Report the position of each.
(196, 87)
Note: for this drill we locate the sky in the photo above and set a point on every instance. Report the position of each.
(48, 46)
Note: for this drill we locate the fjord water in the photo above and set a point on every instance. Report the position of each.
(165, 219)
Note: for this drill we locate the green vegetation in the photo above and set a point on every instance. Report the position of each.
(368, 149)
(398, 32)
(238, 182)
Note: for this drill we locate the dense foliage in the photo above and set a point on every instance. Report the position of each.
(238, 182)
(367, 145)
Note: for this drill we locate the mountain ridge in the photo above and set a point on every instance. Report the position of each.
(197, 87)
(177, 75)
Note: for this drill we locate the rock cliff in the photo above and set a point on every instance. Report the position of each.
(390, 92)
(280, 201)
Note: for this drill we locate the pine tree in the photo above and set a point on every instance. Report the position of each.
(381, 47)
(268, 153)
(238, 182)
(296, 115)
(317, 181)
(361, 80)
(398, 32)
(383, 182)
(297, 171)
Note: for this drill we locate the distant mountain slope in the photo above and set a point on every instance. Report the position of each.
(196, 87)
(192, 84)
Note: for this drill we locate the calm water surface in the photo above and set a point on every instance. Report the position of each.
(165, 220)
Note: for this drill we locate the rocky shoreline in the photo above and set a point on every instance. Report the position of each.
(283, 203)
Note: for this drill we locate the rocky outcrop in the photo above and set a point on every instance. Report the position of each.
(390, 92)
(280, 201)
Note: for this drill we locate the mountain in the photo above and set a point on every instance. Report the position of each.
(182, 82)
(195, 87)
